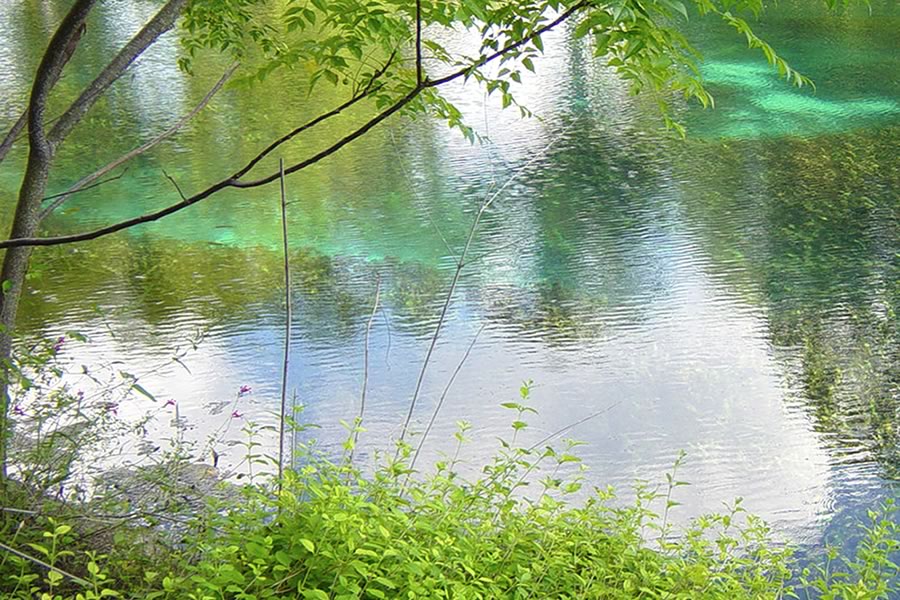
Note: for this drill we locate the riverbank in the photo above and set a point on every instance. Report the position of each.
(329, 530)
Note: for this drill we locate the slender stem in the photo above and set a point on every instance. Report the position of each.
(460, 264)
(562, 430)
(365, 384)
(41, 563)
(440, 403)
(287, 325)
(422, 202)
(420, 73)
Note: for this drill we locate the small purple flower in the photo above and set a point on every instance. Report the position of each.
(236, 415)
(17, 410)
(60, 341)
(169, 402)
(245, 389)
(112, 407)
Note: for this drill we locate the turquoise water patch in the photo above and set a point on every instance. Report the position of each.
(769, 106)
(739, 74)
(811, 106)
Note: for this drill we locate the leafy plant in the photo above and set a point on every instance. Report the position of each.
(329, 530)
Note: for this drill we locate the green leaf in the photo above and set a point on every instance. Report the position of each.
(142, 391)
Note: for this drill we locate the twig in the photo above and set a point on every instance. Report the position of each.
(440, 403)
(368, 90)
(562, 430)
(514, 242)
(387, 351)
(365, 384)
(83, 183)
(287, 325)
(460, 264)
(72, 190)
(293, 440)
(175, 183)
(47, 566)
(420, 74)
(422, 203)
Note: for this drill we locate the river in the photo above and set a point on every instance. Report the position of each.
(733, 294)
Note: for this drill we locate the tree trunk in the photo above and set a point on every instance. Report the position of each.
(15, 266)
(28, 208)
(42, 147)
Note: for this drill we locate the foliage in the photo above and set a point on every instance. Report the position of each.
(347, 42)
(330, 530)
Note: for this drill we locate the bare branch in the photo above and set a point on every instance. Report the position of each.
(420, 74)
(288, 313)
(510, 48)
(231, 182)
(489, 199)
(161, 22)
(366, 91)
(174, 183)
(84, 183)
(85, 188)
(562, 430)
(440, 404)
(365, 384)
(13, 135)
(412, 188)
(44, 565)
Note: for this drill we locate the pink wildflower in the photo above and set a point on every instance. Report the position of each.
(59, 344)
(17, 410)
(169, 402)
(236, 415)
(245, 389)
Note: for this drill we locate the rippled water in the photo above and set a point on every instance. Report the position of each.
(733, 295)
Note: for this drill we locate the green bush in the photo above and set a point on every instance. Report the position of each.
(329, 530)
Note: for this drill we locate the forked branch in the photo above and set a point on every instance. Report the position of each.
(232, 182)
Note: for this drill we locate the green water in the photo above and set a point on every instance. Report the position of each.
(734, 294)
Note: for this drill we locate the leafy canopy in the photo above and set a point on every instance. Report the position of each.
(348, 42)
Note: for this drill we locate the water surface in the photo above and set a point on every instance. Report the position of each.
(734, 294)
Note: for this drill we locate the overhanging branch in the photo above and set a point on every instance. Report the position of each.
(234, 182)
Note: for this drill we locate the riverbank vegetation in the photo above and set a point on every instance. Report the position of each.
(522, 525)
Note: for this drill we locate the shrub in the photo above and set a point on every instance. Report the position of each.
(329, 530)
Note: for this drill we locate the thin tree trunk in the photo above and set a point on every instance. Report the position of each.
(15, 265)
(34, 185)
(42, 146)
